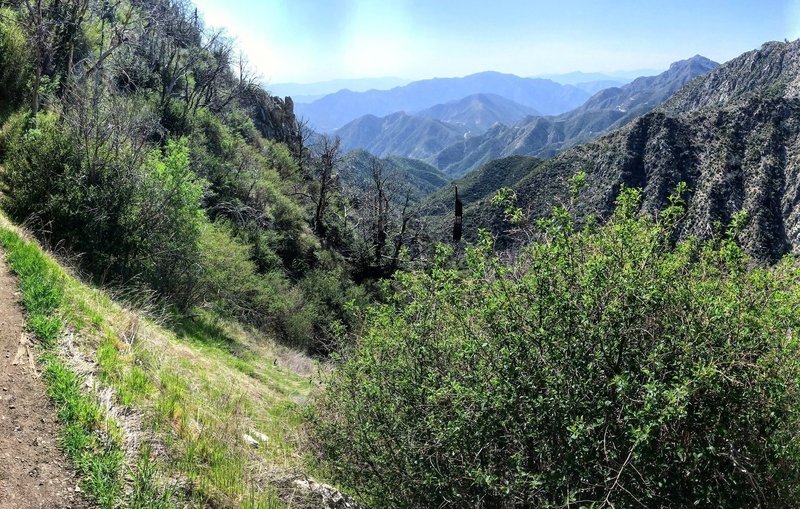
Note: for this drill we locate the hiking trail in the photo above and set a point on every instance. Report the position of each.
(34, 472)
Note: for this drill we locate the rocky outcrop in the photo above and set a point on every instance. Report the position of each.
(744, 157)
(302, 492)
(771, 71)
(273, 117)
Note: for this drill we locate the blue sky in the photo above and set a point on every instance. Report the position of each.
(315, 40)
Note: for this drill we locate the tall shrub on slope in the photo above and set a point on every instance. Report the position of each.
(133, 211)
(602, 367)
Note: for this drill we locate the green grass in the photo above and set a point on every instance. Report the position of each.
(91, 441)
(198, 388)
(145, 495)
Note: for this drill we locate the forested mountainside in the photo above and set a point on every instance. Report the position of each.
(409, 177)
(336, 110)
(137, 138)
(545, 136)
(731, 135)
(475, 190)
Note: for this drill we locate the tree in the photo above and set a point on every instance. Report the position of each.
(328, 156)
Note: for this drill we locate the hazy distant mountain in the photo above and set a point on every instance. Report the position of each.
(479, 112)
(337, 109)
(593, 87)
(428, 132)
(576, 77)
(400, 134)
(307, 92)
(545, 136)
(647, 92)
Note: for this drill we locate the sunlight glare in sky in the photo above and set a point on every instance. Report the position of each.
(315, 40)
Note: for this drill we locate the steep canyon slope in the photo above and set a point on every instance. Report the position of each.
(732, 135)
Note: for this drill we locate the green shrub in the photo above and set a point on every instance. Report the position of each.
(166, 223)
(228, 280)
(39, 162)
(230, 283)
(603, 367)
(333, 299)
(133, 212)
(250, 180)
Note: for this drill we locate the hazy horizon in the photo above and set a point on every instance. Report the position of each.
(310, 41)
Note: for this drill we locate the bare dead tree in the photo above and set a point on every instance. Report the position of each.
(381, 207)
(304, 137)
(328, 155)
(40, 35)
(458, 219)
(399, 239)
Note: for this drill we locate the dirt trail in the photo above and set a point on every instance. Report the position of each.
(34, 472)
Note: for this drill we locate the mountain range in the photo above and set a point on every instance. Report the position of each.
(479, 112)
(545, 136)
(460, 135)
(335, 110)
(308, 92)
(578, 77)
(733, 135)
(426, 133)
(400, 134)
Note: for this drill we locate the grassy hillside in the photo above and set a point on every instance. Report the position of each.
(171, 401)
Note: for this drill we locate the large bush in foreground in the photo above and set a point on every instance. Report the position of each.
(602, 367)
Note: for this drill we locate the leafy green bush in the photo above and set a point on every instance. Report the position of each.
(166, 222)
(38, 162)
(249, 185)
(305, 315)
(333, 298)
(132, 216)
(603, 367)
